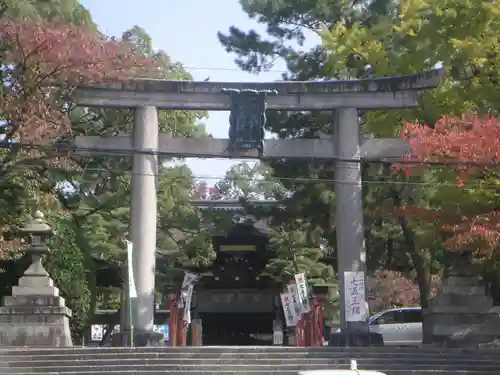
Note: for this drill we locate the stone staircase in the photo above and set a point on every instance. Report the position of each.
(246, 360)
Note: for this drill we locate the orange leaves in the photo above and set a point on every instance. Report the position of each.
(66, 53)
(37, 56)
(468, 139)
(480, 233)
(388, 289)
(469, 145)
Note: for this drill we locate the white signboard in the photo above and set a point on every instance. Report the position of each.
(355, 301)
(300, 280)
(295, 299)
(131, 283)
(291, 318)
(96, 332)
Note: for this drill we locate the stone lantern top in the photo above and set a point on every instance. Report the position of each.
(36, 226)
(38, 231)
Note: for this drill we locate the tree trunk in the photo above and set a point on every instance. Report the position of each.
(418, 258)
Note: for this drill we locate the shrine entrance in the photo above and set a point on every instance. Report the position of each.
(235, 298)
(240, 329)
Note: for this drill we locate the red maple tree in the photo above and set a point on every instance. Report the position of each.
(470, 145)
(34, 57)
(390, 289)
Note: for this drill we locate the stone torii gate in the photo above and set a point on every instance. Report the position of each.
(248, 103)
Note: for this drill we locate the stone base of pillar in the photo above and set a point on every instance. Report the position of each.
(462, 315)
(35, 315)
(141, 339)
(290, 338)
(196, 332)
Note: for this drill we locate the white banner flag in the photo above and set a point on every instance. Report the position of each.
(131, 283)
(300, 280)
(189, 278)
(187, 296)
(355, 297)
(292, 288)
(291, 318)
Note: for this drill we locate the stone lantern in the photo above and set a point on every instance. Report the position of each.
(38, 232)
(35, 315)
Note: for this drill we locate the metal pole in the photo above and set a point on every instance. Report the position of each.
(124, 302)
(351, 252)
(143, 217)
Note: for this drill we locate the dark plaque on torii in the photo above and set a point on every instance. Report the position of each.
(247, 119)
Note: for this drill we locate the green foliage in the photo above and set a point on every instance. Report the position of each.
(289, 21)
(425, 34)
(89, 196)
(66, 266)
(63, 11)
(377, 38)
(294, 251)
(251, 182)
(181, 234)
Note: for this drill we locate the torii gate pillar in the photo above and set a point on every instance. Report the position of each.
(143, 213)
(351, 254)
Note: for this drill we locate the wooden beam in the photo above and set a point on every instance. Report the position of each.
(385, 92)
(371, 149)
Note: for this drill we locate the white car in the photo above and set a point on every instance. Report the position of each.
(398, 327)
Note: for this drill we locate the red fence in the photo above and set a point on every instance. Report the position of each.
(310, 328)
(177, 325)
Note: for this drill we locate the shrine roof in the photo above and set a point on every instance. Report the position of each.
(234, 204)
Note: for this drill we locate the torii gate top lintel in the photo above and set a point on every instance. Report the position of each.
(418, 81)
(382, 92)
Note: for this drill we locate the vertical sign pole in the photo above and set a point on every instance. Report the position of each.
(131, 287)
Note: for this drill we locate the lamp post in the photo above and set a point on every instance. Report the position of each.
(38, 231)
(35, 314)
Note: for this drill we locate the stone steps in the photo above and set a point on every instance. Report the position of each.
(277, 372)
(250, 351)
(389, 367)
(234, 361)
(229, 358)
(236, 357)
(246, 360)
(239, 349)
